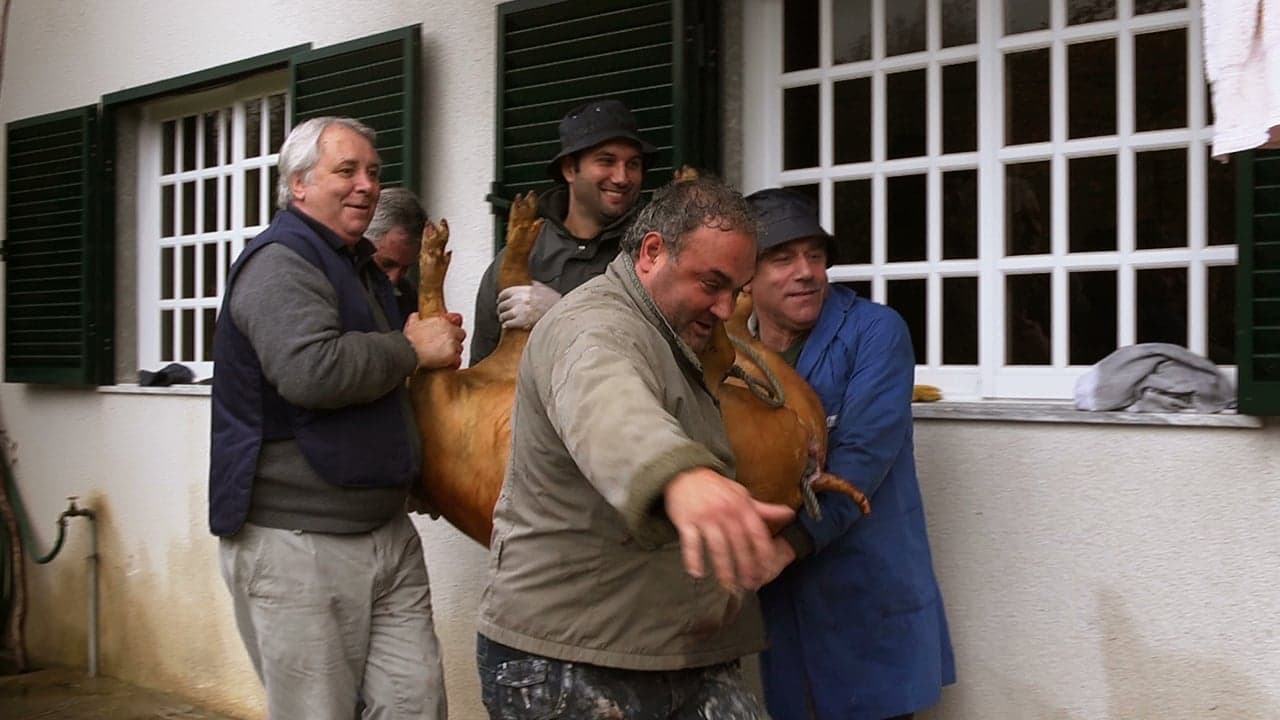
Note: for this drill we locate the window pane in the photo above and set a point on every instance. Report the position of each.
(188, 334)
(276, 105)
(1025, 15)
(1141, 7)
(1026, 97)
(960, 321)
(1093, 316)
(226, 135)
(1091, 201)
(166, 273)
(166, 336)
(253, 128)
(862, 287)
(210, 323)
(853, 223)
(210, 126)
(960, 108)
(209, 213)
(166, 147)
(226, 207)
(188, 208)
(800, 127)
(166, 211)
(273, 176)
(959, 23)
(1222, 316)
(800, 34)
(1162, 305)
(851, 31)
(189, 143)
(907, 218)
(251, 196)
(210, 273)
(1026, 208)
(1028, 323)
(1161, 199)
(1087, 11)
(1221, 199)
(188, 271)
(852, 120)
(905, 28)
(812, 191)
(1091, 89)
(960, 214)
(1160, 82)
(908, 298)
(906, 99)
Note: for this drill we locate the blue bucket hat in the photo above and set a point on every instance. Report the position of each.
(785, 215)
(592, 123)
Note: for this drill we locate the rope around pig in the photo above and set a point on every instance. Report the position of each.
(768, 390)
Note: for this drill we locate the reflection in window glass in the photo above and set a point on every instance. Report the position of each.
(1087, 11)
(1093, 316)
(853, 223)
(1025, 15)
(1091, 202)
(1160, 80)
(166, 273)
(960, 108)
(862, 287)
(905, 28)
(253, 128)
(1162, 306)
(188, 272)
(959, 23)
(800, 127)
(960, 214)
(166, 210)
(189, 143)
(905, 105)
(1026, 208)
(209, 215)
(960, 321)
(1142, 7)
(1221, 200)
(1091, 89)
(210, 140)
(907, 218)
(188, 208)
(1161, 202)
(251, 196)
(1026, 97)
(189, 333)
(850, 31)
(1222, 317)
(166, 147)
(799, 35)
(210, 322)
(209, 271)
(1028, 321)
(852, 99)
(166, 336)
(275, 139)
(908, 297)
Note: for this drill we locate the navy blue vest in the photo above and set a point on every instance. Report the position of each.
(364, 445)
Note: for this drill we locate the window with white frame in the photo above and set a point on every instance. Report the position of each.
(206, 184)
(1027, 182)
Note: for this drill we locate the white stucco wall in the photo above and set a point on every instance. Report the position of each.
(1089, 571)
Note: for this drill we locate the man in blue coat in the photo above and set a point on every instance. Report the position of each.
(855, 623)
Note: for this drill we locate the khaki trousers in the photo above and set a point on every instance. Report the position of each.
(331, 621)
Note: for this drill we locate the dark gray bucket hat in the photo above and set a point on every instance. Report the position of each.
(592, 123)
(785, 215)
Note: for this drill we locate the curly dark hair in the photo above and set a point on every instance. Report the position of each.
(686, 205)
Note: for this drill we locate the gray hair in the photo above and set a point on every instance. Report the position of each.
(686, 205)
(397, 207)
(301, 151)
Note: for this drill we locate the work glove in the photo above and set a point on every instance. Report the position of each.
(523, 305)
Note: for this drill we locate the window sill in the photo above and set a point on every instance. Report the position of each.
(134, 389)
(1065, 412)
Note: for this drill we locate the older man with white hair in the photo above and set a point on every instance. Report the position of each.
(314, 447)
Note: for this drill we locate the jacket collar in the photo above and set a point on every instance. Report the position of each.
(623, 268)
(362, 250)
(835, 307)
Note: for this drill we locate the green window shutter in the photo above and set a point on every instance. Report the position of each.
(1258, 281)
(58, 263)
(658, 57)
(375, 80)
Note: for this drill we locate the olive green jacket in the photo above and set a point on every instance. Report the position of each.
(584, 565)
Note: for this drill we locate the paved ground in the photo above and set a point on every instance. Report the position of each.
(69, 695)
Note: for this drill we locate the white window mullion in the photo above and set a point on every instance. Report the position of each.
(990, 197)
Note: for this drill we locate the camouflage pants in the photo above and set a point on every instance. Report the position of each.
(516, 685)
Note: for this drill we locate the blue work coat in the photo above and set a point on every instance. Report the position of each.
(858, 626)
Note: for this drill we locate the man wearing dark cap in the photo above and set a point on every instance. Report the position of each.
(598, 173)
(856, 624)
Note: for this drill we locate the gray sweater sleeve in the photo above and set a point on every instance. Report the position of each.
(289, 312)
(487, 330)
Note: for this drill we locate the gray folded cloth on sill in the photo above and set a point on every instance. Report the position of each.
(1154, 377)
